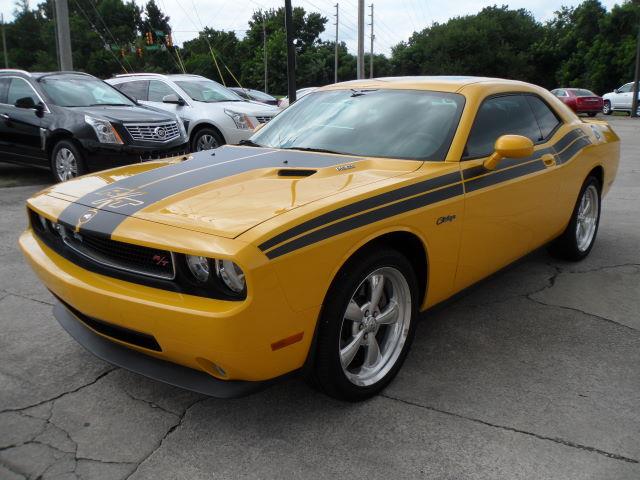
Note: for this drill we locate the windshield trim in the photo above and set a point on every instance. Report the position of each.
(447, 143)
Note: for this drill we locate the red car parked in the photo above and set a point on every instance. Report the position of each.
(580, 100)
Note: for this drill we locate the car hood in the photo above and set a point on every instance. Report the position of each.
(223, 192)
(126, 114)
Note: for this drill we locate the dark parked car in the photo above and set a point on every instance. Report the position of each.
(580, 100)
(74, 123)
(255, 95)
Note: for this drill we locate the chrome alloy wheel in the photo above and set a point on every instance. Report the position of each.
(206, 142)
(375, 326)
(587, 220)
(66, 164)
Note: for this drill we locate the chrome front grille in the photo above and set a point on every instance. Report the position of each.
(153, 132)
(263, 119)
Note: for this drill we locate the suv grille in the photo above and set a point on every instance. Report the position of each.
(153, 132)
(263, 119)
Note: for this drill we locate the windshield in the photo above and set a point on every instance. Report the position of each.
(204, 90)
(409, 124)
(81, 91)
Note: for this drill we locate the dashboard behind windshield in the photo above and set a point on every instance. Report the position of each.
(81, 91)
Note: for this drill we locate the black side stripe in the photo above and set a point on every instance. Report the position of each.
(474, 178)
(362, 205)
(367, 218)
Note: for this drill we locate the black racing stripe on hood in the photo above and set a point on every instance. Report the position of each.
(123, 198)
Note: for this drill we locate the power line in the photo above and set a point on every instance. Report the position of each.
(108, 31)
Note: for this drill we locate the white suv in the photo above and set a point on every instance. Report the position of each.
(619, 100)
(213, 114)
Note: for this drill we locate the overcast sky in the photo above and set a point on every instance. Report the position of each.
(394, 21)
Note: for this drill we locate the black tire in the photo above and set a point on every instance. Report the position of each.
(566, 246)
(592, 114)
(59, 149)
(327, 373)
(606, 108)
(203, 133)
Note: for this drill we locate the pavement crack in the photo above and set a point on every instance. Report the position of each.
(24, 297)
(57, 397)
(171, 429)
(573, 309)
(560, 441)
(153, 405)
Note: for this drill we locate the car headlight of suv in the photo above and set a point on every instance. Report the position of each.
(183, 130)
(241, 120)
(104, 130)
(203, 270)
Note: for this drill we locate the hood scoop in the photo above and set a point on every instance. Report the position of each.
(295, 172)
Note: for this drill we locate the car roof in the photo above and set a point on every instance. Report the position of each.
(440, 83)
(38, 75)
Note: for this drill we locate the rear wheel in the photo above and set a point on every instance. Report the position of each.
(578, 238)
(66, 161)
(366, 326)
(592, 114)
(606, 107)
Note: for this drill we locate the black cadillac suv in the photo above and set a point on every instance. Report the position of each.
(74, 123)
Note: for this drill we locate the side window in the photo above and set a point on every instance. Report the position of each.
(137, 89)
(547, 119)
(4, 86)
(19, 88)
(559, 93)
(625, 88)
(497, 116)
(158, 90)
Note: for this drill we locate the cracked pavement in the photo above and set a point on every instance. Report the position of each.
(531, 374)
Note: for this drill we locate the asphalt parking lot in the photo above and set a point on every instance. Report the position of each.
(534, 374)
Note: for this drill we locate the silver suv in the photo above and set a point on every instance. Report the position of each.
(212, 114)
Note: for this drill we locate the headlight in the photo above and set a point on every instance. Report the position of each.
(183, 131)
(231, 274)
(240, 119)
(199, 267)
(104, 130)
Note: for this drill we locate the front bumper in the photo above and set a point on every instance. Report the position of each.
(156, 369)
(99, 156)
(199, 333)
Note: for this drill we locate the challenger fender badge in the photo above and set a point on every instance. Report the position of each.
(446, 218)
(84, 218)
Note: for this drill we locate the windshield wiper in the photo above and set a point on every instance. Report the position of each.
(249, 143)
(310, 149)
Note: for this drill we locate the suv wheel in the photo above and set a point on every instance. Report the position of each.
(206, 139)
(67, 161)
(366, 326)
(606, 107)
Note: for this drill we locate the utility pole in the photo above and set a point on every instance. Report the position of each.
(360, 61)
(4, 42)
(372, 37)
(335, 63)
(291, 54)
(636, 77)
(264, 47)
(64, 36)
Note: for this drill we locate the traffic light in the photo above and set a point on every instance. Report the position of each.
(149, 38)
(169, 41)
(139, 52)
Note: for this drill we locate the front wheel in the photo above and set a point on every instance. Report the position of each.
(606, 107)
(206, 139)
(66, 161)
(366, 326)
(578, 238)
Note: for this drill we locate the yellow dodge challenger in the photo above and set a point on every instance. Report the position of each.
(314, 246)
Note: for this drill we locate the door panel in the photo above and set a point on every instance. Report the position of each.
(508, 211)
